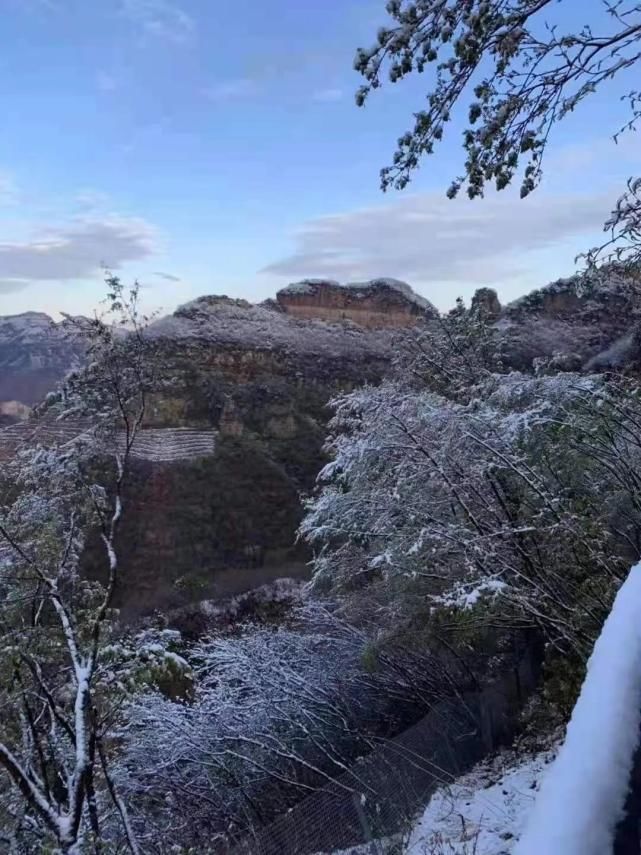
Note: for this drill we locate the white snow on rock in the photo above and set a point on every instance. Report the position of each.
(583, 795)
(360, 289)
(482, 812)
(306, 286)
(220, 321)
(395, 285)
(27, 327)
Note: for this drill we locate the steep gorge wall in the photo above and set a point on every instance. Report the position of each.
(233, 438)
(259, 382)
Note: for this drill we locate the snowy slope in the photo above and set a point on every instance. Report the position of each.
(483, 812)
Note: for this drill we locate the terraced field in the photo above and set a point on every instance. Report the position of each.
(172, 445)
(162, 445)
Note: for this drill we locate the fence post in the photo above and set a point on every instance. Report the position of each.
(367, 830)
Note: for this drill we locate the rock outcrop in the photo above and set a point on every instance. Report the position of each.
(232, 440)
(13, 411)
(375, 304)
(485, 304)
(592, 320)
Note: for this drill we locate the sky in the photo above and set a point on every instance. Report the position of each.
(207, 147)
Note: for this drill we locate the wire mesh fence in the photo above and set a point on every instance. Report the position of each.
(380, 795)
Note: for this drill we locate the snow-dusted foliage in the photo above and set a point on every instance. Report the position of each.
(517, 68)
(64, 674)
(505, 485)
(273, 716)
(613, 285)
(276, 714)
(583, 795)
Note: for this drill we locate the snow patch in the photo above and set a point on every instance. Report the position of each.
(227, 323)
(307, 286)
(483, 812)
(583, 796)
(464, 596)
(395, 285)
(360, 289)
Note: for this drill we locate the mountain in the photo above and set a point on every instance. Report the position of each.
(234, 439)
(373, 304)
(35, 354)
(589, 324)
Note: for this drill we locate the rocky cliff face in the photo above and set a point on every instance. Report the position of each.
(591, 323)
(223, 520)
(232, 441)
(35, 353)
(374, 304)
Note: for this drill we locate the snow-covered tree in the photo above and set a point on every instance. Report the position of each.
(276, 713)
(452, 353)
(524, 491)
(64, 673)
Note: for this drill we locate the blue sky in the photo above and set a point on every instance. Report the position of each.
(210, 147)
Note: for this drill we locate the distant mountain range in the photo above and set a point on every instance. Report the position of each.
(596, 328)
(35, 354)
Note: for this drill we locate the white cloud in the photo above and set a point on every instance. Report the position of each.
(159, 19)
(89, 201)
(239, 88)
(79, 250)
(232, 90)
(426, 238)
(328, 95)
(296, 61)
(596, 154)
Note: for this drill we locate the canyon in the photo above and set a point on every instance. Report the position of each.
(234, 439)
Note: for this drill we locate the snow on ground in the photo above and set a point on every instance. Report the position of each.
(484, 811)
